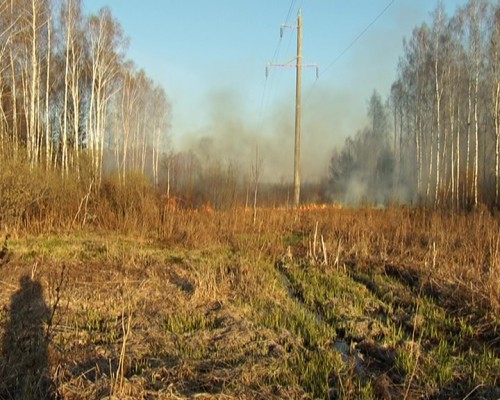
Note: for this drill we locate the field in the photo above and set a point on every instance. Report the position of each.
(394, 303)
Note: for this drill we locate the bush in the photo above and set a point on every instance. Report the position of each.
(20, 189)
(129, 205)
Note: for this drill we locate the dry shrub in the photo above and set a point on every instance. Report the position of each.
(59, 208)
(35, 199)
(14, 191)
(127, 206)
(22, 190)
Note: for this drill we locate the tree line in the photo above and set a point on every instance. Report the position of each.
(69, 98)
(437, 140)
(72, 103)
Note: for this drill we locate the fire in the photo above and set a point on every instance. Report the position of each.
(317, 207)
(175, 205)
(172, 204)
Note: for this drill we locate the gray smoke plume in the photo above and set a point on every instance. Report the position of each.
(231, 136)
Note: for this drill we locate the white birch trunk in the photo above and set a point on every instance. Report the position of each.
(438, 109)
(31, 138)
(48, 135)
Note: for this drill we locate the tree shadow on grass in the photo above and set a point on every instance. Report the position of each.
(24, 370)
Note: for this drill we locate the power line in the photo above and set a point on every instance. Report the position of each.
(289, 11)
(274, 58)
(353, 42)
(359, 36)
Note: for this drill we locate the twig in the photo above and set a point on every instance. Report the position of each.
(337, 258)
(314, 241)
(472, 391)
(325, 256)
(85, 200)
(120, 372)
(58, 290)
(414, 371)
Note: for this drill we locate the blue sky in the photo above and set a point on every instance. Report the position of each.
(210, 57)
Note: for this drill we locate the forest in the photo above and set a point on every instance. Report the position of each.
(72, 105)
(70, 100)
(435, 141)
(130, 270)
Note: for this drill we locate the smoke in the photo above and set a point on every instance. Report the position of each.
(233, 135)
(358, 191)
(333, 109)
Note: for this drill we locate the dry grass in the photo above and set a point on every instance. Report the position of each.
(198, 304)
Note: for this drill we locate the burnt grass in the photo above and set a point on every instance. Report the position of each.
(302, 304)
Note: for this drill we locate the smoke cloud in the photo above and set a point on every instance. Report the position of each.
(232, 135)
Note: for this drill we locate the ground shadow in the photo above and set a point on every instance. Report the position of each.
(24, 372)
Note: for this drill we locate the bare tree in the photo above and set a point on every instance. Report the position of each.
(48, 131)
(161, 111)
(7, 32)
(76, 65)
(475, 17)
(60, 73)
(438, 26)
(106, 44)
(494, 55)
(129, 98)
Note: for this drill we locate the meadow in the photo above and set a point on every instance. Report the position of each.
(320, 302)
(146, 258)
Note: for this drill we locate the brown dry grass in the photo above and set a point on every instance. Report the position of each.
(211, 317)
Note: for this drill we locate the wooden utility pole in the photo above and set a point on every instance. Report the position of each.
(298, 114)
(298, 103)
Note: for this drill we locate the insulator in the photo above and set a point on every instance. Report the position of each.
(317, 72)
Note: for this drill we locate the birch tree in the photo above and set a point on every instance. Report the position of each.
(6, 34)
(106, 45)
(161, 114)
(475, 16)
(71, 17)
(15, 19)
(60, 76)
(48, 127)
(494, 70)
(438, 26)
(129, 98)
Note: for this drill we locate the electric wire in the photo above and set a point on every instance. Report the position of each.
(276, 55)
(271, 77)
(359, 36)
(350, 46)
(290, 11)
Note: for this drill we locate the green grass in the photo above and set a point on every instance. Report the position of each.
(184, 322)
(429, 342)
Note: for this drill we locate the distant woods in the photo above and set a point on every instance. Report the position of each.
(69, 99)
(79, 122)
(362, 171)
(437, 141)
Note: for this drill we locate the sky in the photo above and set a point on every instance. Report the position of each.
(211, 57)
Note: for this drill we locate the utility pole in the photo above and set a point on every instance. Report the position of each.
(298, 115)
(298, 103)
